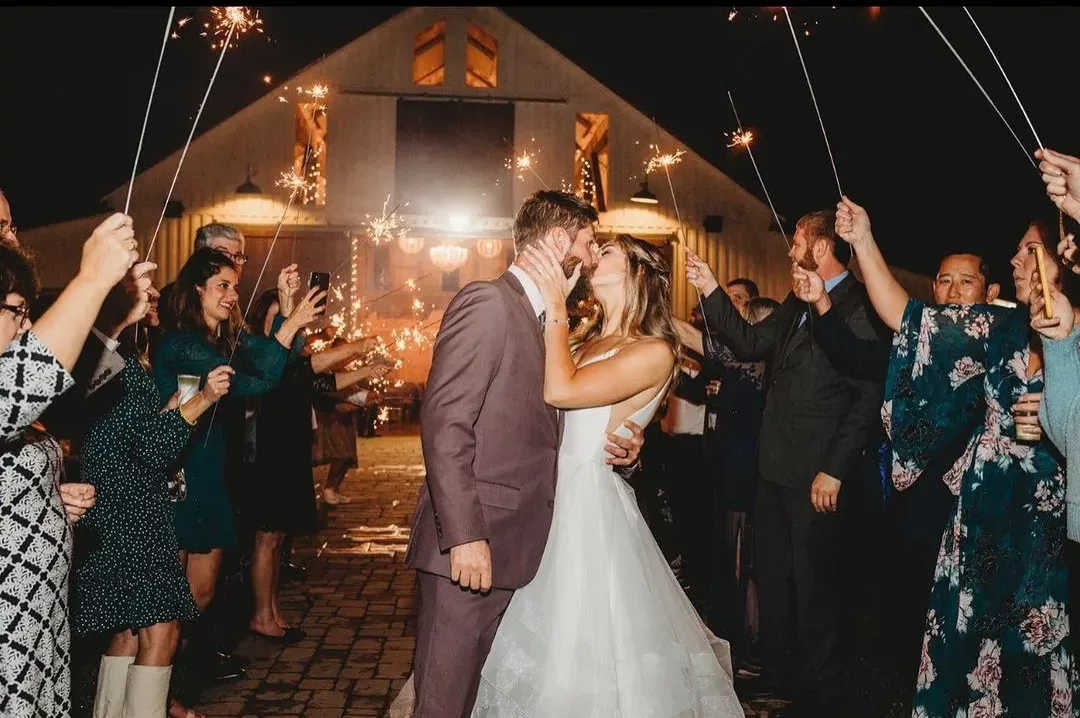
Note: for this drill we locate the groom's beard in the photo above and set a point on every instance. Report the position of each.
(580, 290)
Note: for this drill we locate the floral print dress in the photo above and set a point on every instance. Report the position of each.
(997, 633)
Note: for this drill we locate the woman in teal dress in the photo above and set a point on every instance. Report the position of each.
(204, 304)
(997, 633)
(129, 582)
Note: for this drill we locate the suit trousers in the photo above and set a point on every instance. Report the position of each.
(455, 630)
(690, 490)
(797, 572)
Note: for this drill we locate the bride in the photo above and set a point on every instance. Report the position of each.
(604, 629)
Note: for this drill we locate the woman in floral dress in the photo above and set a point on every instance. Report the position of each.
(997, 634)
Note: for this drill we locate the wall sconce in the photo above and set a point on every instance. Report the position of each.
(248, 187)
(713, 223)
(174, 209)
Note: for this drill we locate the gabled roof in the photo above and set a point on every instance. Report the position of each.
(403, 18)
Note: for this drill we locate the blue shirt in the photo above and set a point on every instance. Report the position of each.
(830, 284)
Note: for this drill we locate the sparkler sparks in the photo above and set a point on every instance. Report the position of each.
(232, 20)
(662, 161)
(739, 138)
(385, 228)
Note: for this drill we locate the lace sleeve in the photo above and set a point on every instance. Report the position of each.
(30, 379)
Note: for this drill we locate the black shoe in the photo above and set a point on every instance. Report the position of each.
(291, 636)
(293, 572)
(223, 668)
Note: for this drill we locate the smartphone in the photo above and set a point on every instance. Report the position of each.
(322, 281)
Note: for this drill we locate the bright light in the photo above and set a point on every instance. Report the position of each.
(459, 223)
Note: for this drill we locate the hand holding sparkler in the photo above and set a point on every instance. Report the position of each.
(1061, 173)
(1060, 324)
(853, 223)
(809, 287)
(699, 274)
(288, 284)
(109, 252)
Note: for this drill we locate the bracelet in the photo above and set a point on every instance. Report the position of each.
(564, 322)
(183, 416)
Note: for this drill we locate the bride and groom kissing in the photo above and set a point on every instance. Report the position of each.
(541, 590)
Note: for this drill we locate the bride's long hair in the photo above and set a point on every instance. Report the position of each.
(647, 312)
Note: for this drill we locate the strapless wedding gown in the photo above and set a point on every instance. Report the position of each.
(604, 630)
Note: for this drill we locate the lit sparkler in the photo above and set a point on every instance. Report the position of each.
(386, 227)
(661, 160)
(231, 23)
(740, 138)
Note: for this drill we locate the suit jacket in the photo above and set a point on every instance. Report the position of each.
(490, 442)
(71, 414)
(815, 418)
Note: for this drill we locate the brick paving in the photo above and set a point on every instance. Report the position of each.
(356, 604)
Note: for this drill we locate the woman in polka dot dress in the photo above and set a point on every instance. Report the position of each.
(129, 582)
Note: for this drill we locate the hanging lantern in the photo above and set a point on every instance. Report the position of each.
(410, 244)
(448, 257)
(488, 248)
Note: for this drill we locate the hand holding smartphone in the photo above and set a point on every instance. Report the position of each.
(322, 281)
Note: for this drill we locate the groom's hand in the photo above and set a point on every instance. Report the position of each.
(470, 565)
(624, 452)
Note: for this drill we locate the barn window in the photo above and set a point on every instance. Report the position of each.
(591, 158)
(309, 152)
(481, 58)
(429, 55)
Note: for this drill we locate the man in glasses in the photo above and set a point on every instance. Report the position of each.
(7, 229)
(225, 239)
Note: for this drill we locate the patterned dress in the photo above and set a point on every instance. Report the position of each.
(997, 634)
(128, 573)
(35, 540)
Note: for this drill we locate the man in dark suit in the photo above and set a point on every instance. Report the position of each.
(490, 446)
(816, 425)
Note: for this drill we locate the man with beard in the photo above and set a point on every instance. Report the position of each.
(816, 425)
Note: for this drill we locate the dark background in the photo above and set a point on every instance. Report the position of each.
(914, 140)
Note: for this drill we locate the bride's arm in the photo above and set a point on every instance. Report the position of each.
(645, 363)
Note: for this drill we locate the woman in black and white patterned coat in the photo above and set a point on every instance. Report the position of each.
(35, 509)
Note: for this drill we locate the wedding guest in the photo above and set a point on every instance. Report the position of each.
(36, 509)
(203, 306)
(997, 634)
(817, 424)
(7, 227)
(920, 512)
(283, 496)
(129, 583)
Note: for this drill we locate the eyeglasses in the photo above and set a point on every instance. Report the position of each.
(237, 259)
(7, 227)
(21, 311)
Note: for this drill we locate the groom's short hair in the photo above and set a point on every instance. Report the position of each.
(546, 210)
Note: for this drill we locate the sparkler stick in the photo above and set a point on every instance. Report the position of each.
(978, 84)
(1007, 80)
(745, 138)
(146, 117)
(666, 161)
(410, 284)
(813, 97)
(172, 186)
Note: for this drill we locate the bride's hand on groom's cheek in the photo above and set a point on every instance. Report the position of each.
(542, 263)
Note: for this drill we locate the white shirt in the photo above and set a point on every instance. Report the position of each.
(110, 344)
(684, 417)
(536, 299)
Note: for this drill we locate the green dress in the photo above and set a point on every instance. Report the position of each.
(997, 634)
(204, 519)
(128, 573)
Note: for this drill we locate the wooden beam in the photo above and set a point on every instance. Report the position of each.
(446, 97)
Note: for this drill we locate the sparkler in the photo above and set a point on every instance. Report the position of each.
(525, 162)
(813, 97)
(146, 117)
(979, 85)
(665, 162)
(744, 138)
(233, 21)
(384, 228)
(1007, 81)
(739, 137)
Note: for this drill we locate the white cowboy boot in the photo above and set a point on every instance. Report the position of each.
(111, 686)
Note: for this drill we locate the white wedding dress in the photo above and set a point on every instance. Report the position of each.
(604, 630)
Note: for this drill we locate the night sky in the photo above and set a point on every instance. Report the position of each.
(914, 140)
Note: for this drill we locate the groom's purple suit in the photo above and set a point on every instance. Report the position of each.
(490, 446)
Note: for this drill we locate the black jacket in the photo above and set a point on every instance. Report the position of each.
(816, 419)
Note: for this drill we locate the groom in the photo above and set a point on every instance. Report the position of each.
(490, 446)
